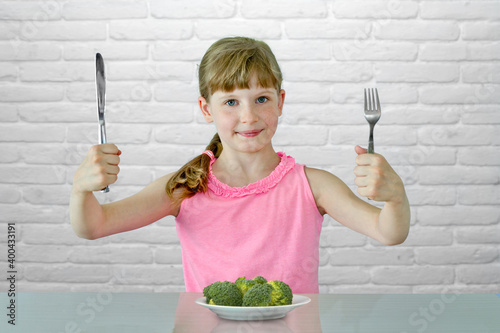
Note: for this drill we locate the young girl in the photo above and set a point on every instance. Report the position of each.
(241, 208)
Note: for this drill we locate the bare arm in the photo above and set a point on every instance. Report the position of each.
(376, 180)
(92, 220)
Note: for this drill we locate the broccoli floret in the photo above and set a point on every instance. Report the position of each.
(260, 279)
(258, 295)
(223, 293)
(244, 285)
(281, 293)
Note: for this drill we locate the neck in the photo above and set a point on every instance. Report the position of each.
(240, 169)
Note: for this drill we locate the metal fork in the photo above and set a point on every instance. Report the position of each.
(372, 113)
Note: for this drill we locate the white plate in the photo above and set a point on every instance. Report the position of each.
(254, 312)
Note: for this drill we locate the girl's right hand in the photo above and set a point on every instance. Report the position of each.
(99, 169)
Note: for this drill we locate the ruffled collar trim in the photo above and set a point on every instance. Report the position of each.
(262, 186)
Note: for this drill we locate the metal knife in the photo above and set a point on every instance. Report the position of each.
(100, 80)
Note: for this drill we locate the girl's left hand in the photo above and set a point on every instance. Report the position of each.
(376, 179)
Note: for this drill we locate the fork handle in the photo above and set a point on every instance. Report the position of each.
(371, 148)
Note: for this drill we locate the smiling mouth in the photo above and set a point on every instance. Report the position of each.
(249, 134)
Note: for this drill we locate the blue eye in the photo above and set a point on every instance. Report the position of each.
(262, 99)
(231, 102)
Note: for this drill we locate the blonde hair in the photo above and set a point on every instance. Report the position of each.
(228, 64)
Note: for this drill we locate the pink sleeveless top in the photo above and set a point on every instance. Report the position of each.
(269, 228)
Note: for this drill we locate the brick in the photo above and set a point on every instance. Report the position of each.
(460, 94)
(326, 29)
(306, 92)
(419, 275)
(385, 135)
(96, 10)
(31, 11)
(374, 51)
(32, 174)
(417, 30)
(431, 195)
(443, 51)
(428, 236)
(480, 30)
(111, 254)
(325, 72)
(46, 194)
(480, 114)
(9, 113)
(459, 135)
(54, 233)
(343, 275)
(158, 113)
(18, 50)
(283, 9)
(321, 114)
(57, 72)
(31, 133)
(375, 9)
(483, 51)
(150, 30)
(175, 134)
(300, 50)
(478, 235)
(44, 254)
(456, 255)
(171, 255)
(309, 135)
(180, 50)
(438, 175)
(9, 30)
(479, 195)
(368, 257)
(118, 91)
(176, 92)
(458, 215)
(67, 273)
(178, 71)
(60, 112)
(480, 73)
(36, 153)
(340, 237)
(389, 94)
(367, 289)
(479, 274)
(460, 10)
(421, 115)
(116, 133)
(8, 72)
(457, 289)
(195, 9)
(9, 153)
(64, 31)
(260, 29)
(151, 274)
(479, 156)
(417, 73)
(32, 213)
(122, 50)
(155, 155)
(9, 194)
(31, 93)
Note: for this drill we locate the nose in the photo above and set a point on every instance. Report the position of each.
(249, 115)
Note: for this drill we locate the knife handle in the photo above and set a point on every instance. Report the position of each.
(102, 139)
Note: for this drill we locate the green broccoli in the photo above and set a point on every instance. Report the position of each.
(260, 279)
(244, 285)
(258, 295)
(223, 293)
(281, 293)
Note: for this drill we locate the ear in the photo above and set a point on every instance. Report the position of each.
(281, 100)
(205, 109)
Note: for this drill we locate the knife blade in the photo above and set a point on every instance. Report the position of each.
(100, 80)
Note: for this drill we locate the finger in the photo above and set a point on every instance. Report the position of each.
(109, 148)
(112, 159)
(360, 150)
(112, 170)
(361, 170)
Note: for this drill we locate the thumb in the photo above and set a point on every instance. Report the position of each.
(359, 150)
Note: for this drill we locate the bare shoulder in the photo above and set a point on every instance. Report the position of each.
(325, 187)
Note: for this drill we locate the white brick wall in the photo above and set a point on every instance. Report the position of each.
(436, 65)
